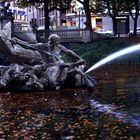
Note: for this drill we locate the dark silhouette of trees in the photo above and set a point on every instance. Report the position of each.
(5, 8)
(133, 8)
(110, 8)
(86, 5)
(114, 8)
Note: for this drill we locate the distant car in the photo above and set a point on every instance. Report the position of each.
(41, 28)
(105, 32)
(132, 31)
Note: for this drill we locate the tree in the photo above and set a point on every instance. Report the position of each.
(110, 8)
(97, 6)
(105, 7)
(49, 5)
(86, 5)
(113, 9)
(133, 7)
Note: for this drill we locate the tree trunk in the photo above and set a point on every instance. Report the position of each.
(46, 14)
(135, 26)
(88, 15)
(135, 16)
(114, 25)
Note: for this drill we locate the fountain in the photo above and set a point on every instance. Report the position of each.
(35, 67)
(66, 114)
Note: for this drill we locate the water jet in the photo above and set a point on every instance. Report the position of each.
(115, 55)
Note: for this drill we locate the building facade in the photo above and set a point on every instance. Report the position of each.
(19, 14)
(108, 24)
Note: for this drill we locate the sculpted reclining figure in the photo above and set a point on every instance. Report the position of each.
(39, 66)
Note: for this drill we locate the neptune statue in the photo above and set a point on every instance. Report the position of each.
(39, 66)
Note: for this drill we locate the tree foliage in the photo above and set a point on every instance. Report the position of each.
(49, 5)
(52, 3)
(86, 5)
(97, 6)
(114, 8)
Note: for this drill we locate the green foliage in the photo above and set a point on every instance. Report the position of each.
(93, 52)
(107, 7)
(97, 6)
(51, 3)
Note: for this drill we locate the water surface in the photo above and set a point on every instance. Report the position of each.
(76, 113)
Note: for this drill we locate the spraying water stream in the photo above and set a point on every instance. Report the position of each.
(114, 56)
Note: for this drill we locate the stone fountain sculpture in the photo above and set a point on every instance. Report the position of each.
(35, 67)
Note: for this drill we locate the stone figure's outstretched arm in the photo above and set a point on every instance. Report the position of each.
(35, 47)
(24, 43)
(71, 53)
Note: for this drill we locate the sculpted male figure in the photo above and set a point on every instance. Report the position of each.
(75, 70)
(56, 71)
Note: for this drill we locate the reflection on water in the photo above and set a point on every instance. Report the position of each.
(120, 86)
(119, 92)
(133, 119)
(104, 113)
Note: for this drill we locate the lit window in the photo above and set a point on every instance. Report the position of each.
(18, 17)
